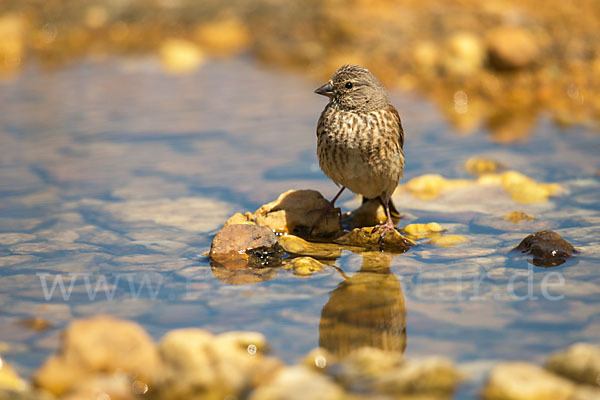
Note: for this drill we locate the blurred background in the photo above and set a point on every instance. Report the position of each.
(495, 64)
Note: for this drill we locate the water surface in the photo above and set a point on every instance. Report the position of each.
(115, 177)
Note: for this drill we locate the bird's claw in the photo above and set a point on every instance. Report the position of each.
(385, 228)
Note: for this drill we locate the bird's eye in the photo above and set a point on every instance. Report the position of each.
(348, 85)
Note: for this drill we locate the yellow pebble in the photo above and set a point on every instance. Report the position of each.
(517, 216)
(448, 240)
(419, 231)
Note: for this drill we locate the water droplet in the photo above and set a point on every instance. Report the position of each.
(139, 387)
(320, 361)
(461, 102)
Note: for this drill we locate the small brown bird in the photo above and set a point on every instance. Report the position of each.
(360, 138)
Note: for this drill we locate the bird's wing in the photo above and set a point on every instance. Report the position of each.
(400, 130)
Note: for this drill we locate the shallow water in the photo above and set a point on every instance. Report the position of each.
(113, 172)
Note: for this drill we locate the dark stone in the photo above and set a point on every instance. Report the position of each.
(548, 248)
(242, 246)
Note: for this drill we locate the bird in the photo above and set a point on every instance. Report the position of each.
(360, 139)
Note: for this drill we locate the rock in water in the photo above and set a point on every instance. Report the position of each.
(295, 212)
(369, 239)
(523, 381)
(239, 246)
(580, 363)
(548, 248)
(96, 345)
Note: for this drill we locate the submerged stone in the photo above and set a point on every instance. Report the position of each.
(420, 231)
(304, 266)
(295, 212)
(548, 248)
(296, 245)
(370, 239)
(518, 216)
(448, 240)
(520, 187)
(241, 245)
(580, 363)
(480, 165)
(431, 186)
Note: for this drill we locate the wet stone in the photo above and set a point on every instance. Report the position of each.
(548, 248)
(420, 231)
(370, 213)
(239, 218)
(448, 240)
(518, 216)
(296, 245)
(580, 363)
(370, 239)
(241, 245)
(295, 212)
(522, 188)
(480, 165)
(304, 266)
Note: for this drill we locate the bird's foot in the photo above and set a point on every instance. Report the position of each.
(325, 211)
(385, 228)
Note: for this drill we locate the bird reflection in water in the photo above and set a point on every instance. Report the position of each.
(366, 309)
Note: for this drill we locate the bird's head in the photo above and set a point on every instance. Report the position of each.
(354, 88)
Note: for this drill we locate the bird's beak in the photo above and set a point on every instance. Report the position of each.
(325, 90)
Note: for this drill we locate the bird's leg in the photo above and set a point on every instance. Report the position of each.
(389, 224)
(327, 209)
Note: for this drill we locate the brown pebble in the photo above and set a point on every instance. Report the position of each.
(240, 246)
(548, 248)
